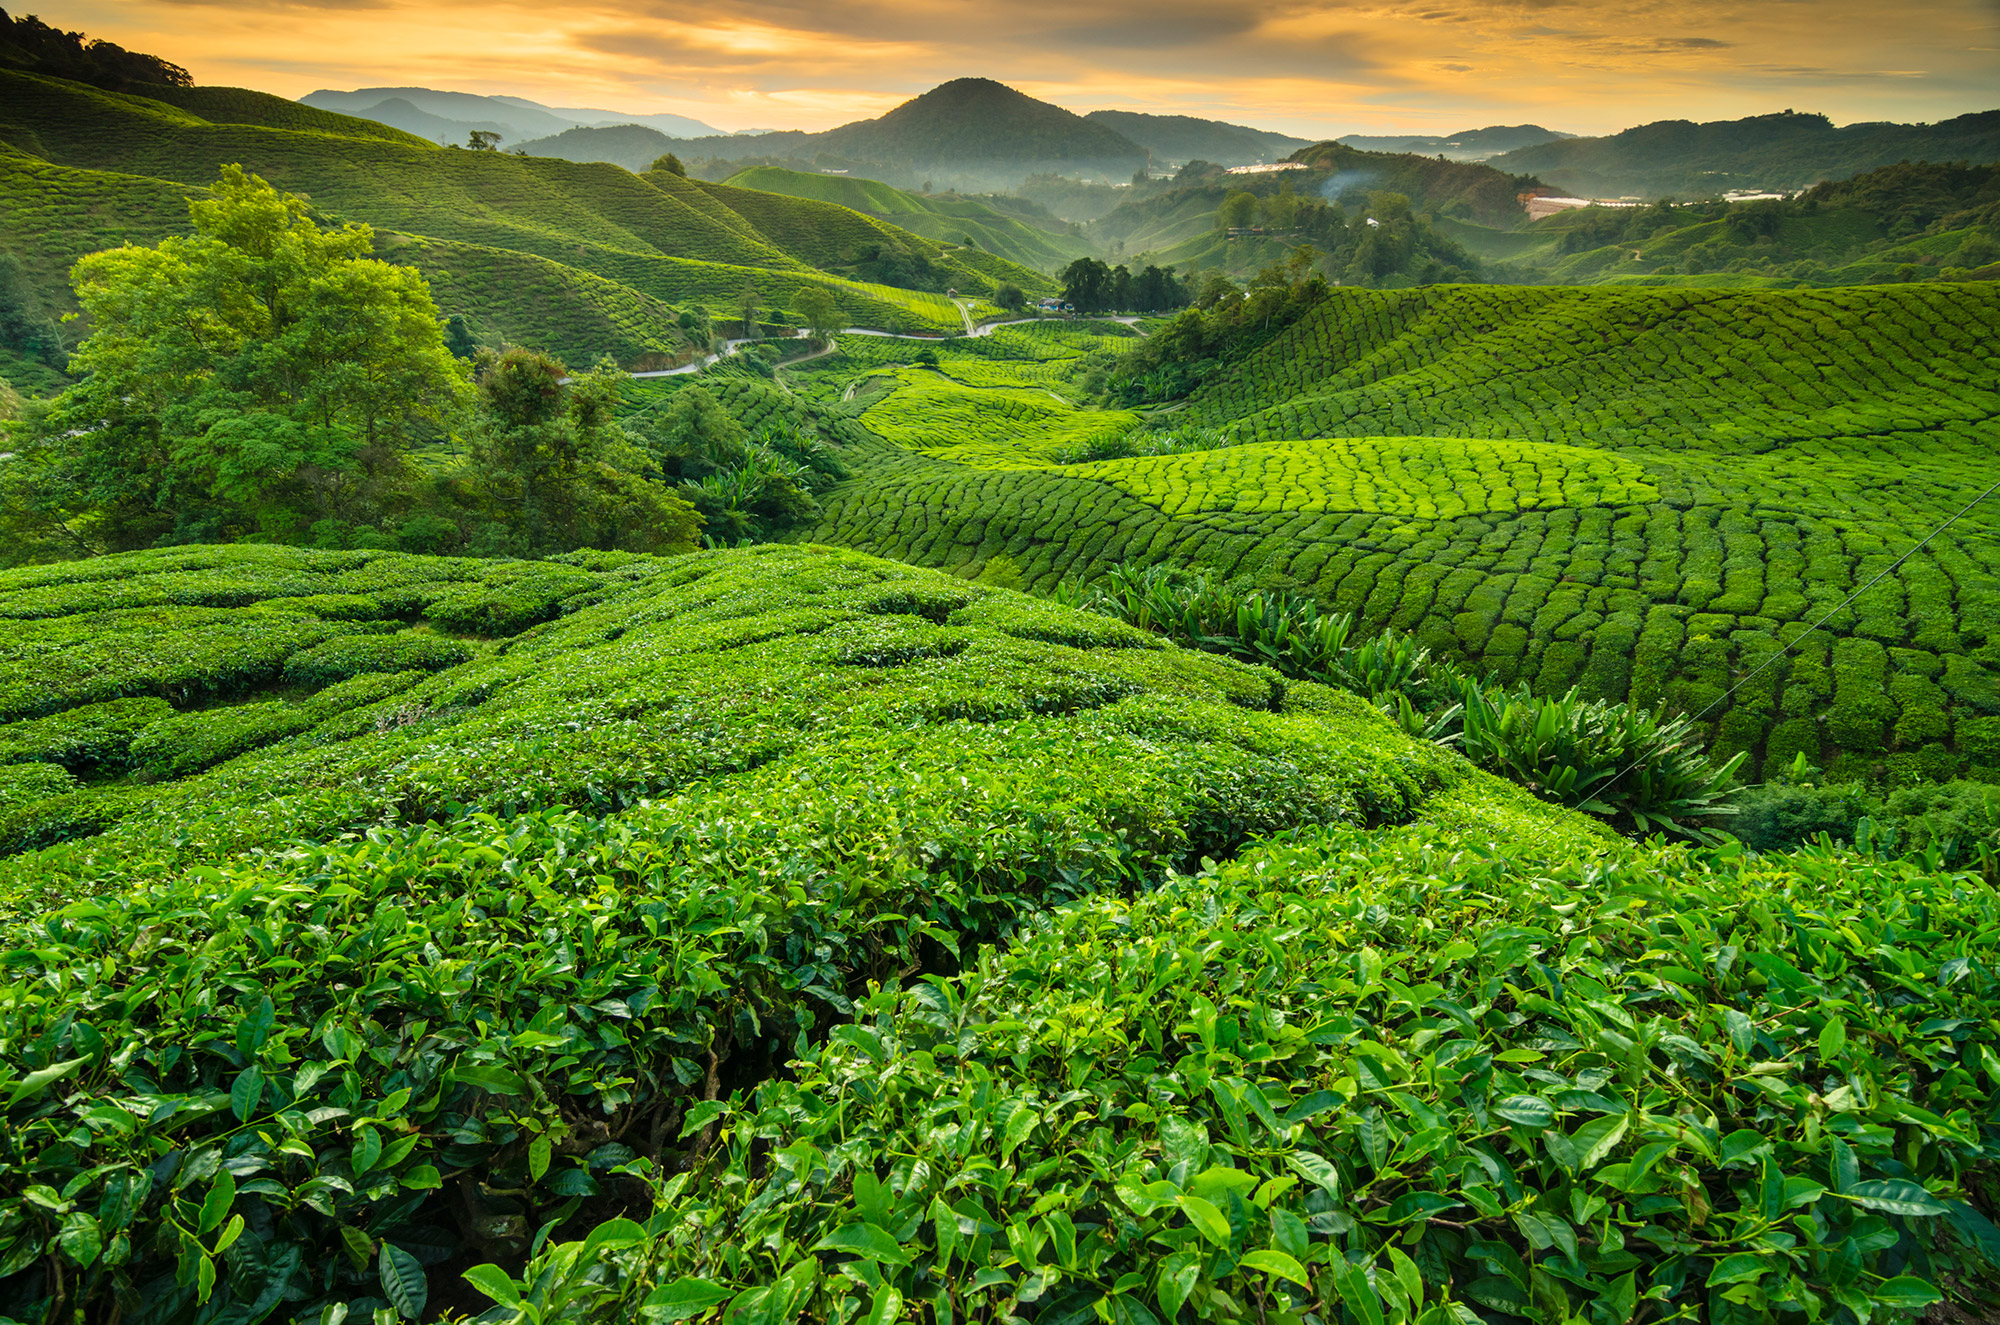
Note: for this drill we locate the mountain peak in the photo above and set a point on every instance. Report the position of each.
(978, 118)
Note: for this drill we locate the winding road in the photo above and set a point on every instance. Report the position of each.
(964, 307)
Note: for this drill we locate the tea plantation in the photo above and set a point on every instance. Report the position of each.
(1643, 493)
(572, 259)
(784, 934)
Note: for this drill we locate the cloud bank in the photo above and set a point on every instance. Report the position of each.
(1317, 68)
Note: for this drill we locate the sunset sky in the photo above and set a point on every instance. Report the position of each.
(1311, 67)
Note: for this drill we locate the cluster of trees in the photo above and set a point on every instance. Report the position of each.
(1224, 324)
(1873, 218)
(29, 43)
(1090, 286)
(266, 379)
(26, 326)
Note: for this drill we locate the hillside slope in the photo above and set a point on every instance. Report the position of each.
(1633, 491)
(1182, 138)
(1909, 221)
(949, 219)
(1785, 152)
(603, 244)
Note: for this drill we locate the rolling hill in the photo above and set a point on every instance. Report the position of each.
(449, 117)
(1467, 145)
(1911, 221)
(947, 218)
(452, 936)
(1780, 153)
(1183, 138)
(1635, 491)
(576, 259)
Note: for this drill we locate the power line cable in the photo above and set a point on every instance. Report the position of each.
(1788, 647)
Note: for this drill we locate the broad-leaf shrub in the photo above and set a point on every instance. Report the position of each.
(1379, 1077)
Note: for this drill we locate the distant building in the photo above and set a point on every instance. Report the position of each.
(1270, 169)
(1542, 205)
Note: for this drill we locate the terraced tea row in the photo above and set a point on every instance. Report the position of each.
(1642, 492)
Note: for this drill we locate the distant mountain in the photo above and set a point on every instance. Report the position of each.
(979, 120)
(450, 116)
(973, 135)
(674, 126)
(1177, 139)
(1009, 227)
(1470, 145)
(399, 113)
(1779, 153)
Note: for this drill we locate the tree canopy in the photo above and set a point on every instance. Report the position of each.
(266, 378)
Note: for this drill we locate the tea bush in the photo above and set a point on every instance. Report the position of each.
(286, 1032)
(93, 736)
(1373, 1077)
(1637, 492)
(351, 655)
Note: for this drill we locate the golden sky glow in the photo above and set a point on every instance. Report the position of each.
(1310, 67)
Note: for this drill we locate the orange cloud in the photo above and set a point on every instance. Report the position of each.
(1311, 67)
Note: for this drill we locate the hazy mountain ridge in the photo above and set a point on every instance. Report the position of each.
(451, 116)
(1784, 152)
(1468, 145)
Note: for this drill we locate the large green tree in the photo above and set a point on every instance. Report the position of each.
(261, 376)
(551, 470)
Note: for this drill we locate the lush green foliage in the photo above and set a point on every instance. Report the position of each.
(1642, 771)
(1372, 1078)
(267, 380)
(1640, 493)
(1782, 152)
(593, 850)
(262, 376)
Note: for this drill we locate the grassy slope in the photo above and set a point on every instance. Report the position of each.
(1629, 490)
(1676, 158)
(950, 220)
(669, 241)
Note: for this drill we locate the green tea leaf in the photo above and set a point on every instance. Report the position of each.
(1278, 1264)
(1205, 1217)
(1896, 1196)
(403, 1282)
(1739, 1267)
(865, 1240)
(1525, 1110)
(1906, 1292)
(41, 1079)
(247, 1092)
(683, 1299)
(215, 1206)
(495, 1283)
